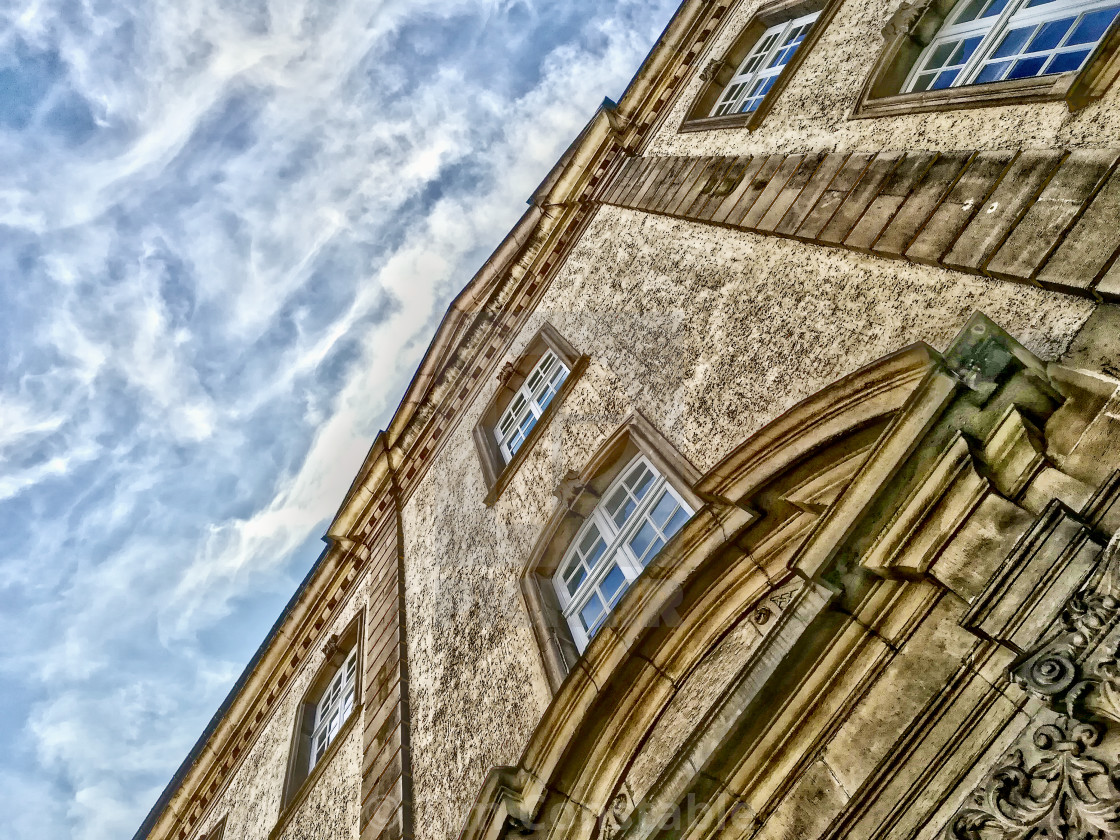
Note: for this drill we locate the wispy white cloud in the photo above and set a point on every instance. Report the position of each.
(231, 230)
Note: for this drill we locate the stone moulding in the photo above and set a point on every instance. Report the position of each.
(1042, 217)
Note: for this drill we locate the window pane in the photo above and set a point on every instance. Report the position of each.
(965, 50)
(1027, 67)
(591, 613)
(646, 543)
(1093, 26)
(613, 585)
(971, 11)
(940, 56)
(577, 576)
(922, 82)
(1050, 34)
(1065, 62)
(992, 72)
(679, 518)
(663, 509)
(1033, 3)
(944, 80)
(1012, 42)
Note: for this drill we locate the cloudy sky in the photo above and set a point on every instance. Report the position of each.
(228, 229)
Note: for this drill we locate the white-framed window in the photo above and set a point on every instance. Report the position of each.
(997, 40)
(529, 403)
(334, 706)
(762, 66)
(635, 517)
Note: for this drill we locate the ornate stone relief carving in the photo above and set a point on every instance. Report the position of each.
(711, 69)
(903, 20)
(1072, 790)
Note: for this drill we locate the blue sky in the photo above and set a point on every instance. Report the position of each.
(228, 229)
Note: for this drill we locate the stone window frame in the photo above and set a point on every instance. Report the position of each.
(496, 471)
(578, 493)
(719, 72)
(914, 25)
(299, 777)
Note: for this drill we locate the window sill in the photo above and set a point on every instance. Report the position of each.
(748, 122)
(1016, 92)
(300, 796)
(510, 469)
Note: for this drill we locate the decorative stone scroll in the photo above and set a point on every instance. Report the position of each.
(1072, 791)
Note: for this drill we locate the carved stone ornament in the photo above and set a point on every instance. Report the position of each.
(616, 814)
(711, 69)
(903, 20)
(330, 648)
(1067, 795)
(570, 489)
(506, 374)
(1071, 792)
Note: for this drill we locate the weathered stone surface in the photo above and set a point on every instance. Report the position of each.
(1024, 179)
(964, 201)
(834, 195)
(911, 216)
(1090, 245)
(758, 183)
(821, 180)
(1047, 219)
(751, 165)
(778, 181)
(805, 171)
(896, 188)
(859, 199)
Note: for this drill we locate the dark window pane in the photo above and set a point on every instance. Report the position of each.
(971, 11)
(1027, 67)
(944, 79)
(1050, 35)
(992, 72)
(922, 82)
(1092, 27)
(1064, 62)
(940, 56)
(1013, 42)
(997, 7)
(1033, 3)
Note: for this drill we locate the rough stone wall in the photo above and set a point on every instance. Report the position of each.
(250, 802)
(812, 112)
(710, 333)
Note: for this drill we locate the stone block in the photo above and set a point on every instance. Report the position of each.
(860, 196)
(759, 181)
(962, 203)
(1108, 286)
(681, 180)
(714, 190)
(1041, 229)
(633, 183)
(1090, 245)
(896, 188)
(691, 184)
(704, 180)
(987, 229)
(850, 174)
(773, 189)
(939, 179)
(621, 180)
(669, 184)
(822, 178)
(744, 178)
(652, 182)
(791, 191)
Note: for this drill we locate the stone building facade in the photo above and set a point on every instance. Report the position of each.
(764, 483)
